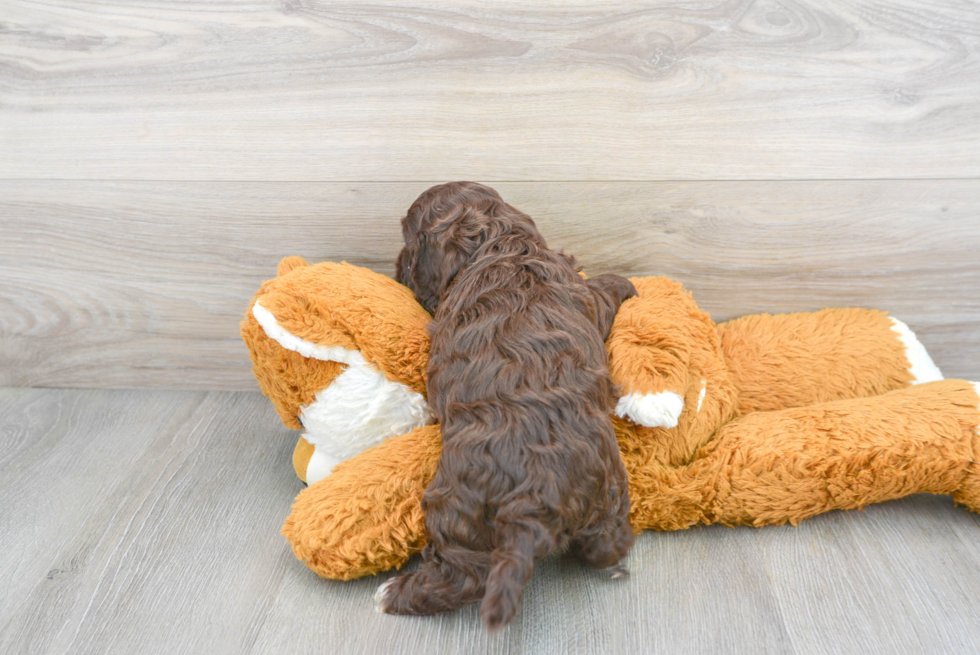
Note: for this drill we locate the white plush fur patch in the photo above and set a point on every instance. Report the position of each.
(704, 392)
(921, 365)
(652, 410)
(320, 465)
(358, 410)
(290, 341)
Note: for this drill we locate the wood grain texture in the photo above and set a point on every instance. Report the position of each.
(147, 521)
(136, 522)
(882, 593)
(142, 284)
(406, 90)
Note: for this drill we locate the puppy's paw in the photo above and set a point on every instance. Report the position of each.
(617, 572)
(497, 612)
(382, 597)
(652, 410)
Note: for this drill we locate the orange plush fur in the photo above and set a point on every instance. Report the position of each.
(780, 417)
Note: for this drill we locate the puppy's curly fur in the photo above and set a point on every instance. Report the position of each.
(518, 378)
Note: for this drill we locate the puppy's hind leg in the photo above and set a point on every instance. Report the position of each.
(449, 579)
(603, 545)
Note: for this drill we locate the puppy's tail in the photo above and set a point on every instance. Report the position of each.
(512, 563)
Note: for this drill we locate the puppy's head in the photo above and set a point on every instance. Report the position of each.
(444, 230)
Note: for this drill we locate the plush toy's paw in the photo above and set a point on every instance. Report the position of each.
(381, 597)
(366, 516)
(652, 410)
(319, 466)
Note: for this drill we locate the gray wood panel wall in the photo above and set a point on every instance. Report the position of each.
(407, 90)
(157, 160)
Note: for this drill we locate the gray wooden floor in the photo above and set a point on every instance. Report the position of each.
(148, 521)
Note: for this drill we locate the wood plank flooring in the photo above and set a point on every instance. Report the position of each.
(143, 284)
(148, 521)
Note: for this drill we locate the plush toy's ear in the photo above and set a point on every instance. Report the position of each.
(289, 263)
(346, 314)
(288, 378)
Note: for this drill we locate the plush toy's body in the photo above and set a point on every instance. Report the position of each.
(762, 420)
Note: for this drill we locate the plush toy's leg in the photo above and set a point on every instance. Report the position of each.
(366, 516)
(785, 466)
(795, 360)
(968, 493)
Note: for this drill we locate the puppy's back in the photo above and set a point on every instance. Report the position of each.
(518, 378)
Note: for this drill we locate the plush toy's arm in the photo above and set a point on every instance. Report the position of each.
(366, 516)
(649, 352)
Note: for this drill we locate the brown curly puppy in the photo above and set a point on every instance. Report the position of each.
(518, 378)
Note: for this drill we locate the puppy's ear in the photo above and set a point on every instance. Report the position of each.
(403, 267)
(609, 291)
(433, 269)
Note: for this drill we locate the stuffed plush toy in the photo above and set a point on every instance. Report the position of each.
(761, 420)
